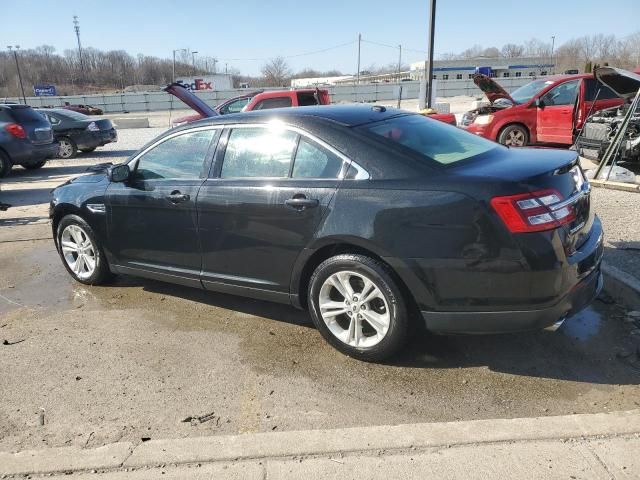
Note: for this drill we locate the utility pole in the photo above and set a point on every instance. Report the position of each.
(76, 27)
(358, 71)
(15, 56)
(432, 28)
(399, 61)
(225, 68)
(193, 60)
(215, 60)
(174, 62)
(553, 43)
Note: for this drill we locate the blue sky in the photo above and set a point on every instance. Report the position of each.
(251, 29)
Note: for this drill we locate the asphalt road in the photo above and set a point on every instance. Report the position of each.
(140, 359)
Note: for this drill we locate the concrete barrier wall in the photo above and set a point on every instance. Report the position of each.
(153, 101)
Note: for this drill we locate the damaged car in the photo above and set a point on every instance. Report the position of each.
(600, 128)
(546, 111)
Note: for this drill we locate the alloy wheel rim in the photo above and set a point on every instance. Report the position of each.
(354, 309)
(65, 150)
(78, 251)
(515, 138)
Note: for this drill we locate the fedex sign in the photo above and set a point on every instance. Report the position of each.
(205, 83)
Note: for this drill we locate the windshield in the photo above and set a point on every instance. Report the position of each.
(525, 93)
(72, 115)
(432, 139)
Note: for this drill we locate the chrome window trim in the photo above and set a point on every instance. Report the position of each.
(361, 174)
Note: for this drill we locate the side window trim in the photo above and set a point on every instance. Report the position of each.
(216, 169)
(215, 139)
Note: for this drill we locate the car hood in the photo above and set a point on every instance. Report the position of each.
(624, 83)
(492, 90)
(189, 98)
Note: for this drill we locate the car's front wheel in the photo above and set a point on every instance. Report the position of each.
(80, 251)
(358, 307)
(514, 136)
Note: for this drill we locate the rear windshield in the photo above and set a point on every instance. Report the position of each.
(432, 139)
(26, 115)
(70, 114)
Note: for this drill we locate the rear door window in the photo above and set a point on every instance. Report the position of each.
(278, 102)
(313, 161)
(258, 152)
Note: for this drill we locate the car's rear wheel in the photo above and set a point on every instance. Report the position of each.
(35, 166)
(87, 150)
(80, 251)
(5, 165)
(67, 148)
(514, 136)
(358, 307)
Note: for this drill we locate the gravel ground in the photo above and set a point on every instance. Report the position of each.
(620, 215)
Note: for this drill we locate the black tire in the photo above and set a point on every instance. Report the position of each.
(67, 149)
(514, 136)
(5, 164)
(381, 276)
(35, 166)
(87, 150)
(101, 272)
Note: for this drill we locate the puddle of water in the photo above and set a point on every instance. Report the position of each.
(584, 325)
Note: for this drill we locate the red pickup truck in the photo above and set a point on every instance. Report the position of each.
(549, 110)
(259, 100)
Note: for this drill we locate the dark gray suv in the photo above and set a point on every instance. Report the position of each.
(26, 138)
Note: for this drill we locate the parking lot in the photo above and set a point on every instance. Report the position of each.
(140, 359)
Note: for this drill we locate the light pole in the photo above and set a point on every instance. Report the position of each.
(432, 28)
(76, 27)
(193, 60)
(553, 43)
(15, 56)
(174, 62)
(399, 60)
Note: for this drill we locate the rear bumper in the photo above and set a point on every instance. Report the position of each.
(516, 321)
(587, 283)
(96, 139)
(28, 153)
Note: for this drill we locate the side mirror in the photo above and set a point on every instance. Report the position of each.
(120, 173)
(539, 103)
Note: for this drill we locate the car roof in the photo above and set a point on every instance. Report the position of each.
(347, 115)
(11, 106)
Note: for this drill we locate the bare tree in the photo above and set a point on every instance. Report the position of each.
(276, 72)
(511, 50)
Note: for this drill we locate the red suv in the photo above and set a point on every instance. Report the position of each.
(259, 100)
(548, 110)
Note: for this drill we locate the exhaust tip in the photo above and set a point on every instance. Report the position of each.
(556, 326)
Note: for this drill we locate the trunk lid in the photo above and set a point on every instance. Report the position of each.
(104, 124)
(191, 100)
(531, 171)
(492, 90)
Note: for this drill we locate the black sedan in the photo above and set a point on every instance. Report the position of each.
(370, 218)
(75, 131)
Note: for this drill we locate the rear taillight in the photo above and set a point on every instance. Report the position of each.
(16, 130)
(93, 127)
(533, 212)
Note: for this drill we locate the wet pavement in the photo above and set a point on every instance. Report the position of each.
(140, 359)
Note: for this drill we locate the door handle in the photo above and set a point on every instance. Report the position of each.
(177, 197)
(300, 202)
